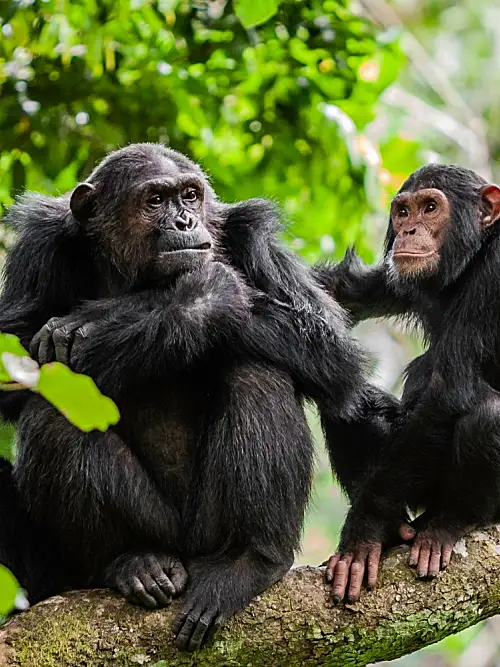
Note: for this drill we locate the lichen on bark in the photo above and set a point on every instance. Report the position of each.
(291, 625)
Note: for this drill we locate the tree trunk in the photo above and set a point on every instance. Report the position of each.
(291, 625)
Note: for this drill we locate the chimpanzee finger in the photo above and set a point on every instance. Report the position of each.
(42, 342)
(46, 351)
(153, 589)
(330, 567)
(414, 554)
(356, 577)
(423, 560)
(34, 346)
(160, 577)
(435, 561)
(178, 576)
(373, 566)
(126, 590)
(446, 552)
(341, 578)
(62, 340)
(201, 629)
(142, 595)
(186, 631)
(179, 621)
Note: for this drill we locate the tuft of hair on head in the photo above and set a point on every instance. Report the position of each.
(459, 182)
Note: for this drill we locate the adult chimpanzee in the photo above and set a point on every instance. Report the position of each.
(207, 333)
(441, 267)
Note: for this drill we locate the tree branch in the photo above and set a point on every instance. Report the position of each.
(289, 626)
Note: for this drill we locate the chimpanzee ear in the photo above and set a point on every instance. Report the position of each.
(491, 196)
(82, 201)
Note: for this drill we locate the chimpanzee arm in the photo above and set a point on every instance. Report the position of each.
(303, 331)
(365, 291)
(143, 334)
(295, 325)
(47, 273)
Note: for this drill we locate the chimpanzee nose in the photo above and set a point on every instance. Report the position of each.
(409, 232)
(185, 222)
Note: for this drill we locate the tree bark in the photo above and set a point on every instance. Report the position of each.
(291, 625)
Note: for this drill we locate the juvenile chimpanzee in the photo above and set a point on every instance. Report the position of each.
(441, 267)
(207, 333)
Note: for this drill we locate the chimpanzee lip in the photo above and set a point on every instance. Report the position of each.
(203, 247)
(421, 255)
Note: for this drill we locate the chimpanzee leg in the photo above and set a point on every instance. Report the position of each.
(356, 442)
(470, 489)
(252, 483)
(94, 498)
(407, 475)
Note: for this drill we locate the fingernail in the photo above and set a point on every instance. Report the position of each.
(421, 575)
(328, 578)
(369, 588)
(412, 563)
(336, 599)
(351, 600)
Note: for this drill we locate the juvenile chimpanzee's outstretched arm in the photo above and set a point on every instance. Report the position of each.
(145, 333)
(365, 291)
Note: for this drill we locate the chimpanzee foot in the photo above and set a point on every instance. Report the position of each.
(431, 551)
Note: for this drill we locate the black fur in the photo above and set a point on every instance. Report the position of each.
(210, 467)
(446, 451)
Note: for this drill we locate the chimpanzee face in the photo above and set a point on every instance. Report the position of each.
(436, 232)
(419, 221)
(149, 206)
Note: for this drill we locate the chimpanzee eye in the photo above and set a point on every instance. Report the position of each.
(155, 200)
(403, 212)
(190, 195)
(431, 207)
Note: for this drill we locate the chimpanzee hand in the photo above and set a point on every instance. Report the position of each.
(358, 560)
(150, 579)
(58, 339)
(432, 547)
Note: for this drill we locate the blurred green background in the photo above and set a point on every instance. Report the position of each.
(325, 107)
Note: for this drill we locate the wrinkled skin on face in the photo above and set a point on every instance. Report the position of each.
(156, 222)
(421, 222)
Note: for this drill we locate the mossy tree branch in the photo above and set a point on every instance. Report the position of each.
(291, 625)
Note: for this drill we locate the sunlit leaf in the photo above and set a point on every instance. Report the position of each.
(11, 344)
(77, 397)
(9, 589)
(255, 12)
(23, 370)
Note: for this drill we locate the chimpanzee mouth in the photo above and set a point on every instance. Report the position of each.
(203, 247)
(413, 255)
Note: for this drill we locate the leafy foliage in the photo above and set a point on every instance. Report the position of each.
(75, 395)
(276, 110)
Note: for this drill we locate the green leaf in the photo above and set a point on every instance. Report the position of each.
(77, 397)
(255, 12)
(12, 344)
(9, 589)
